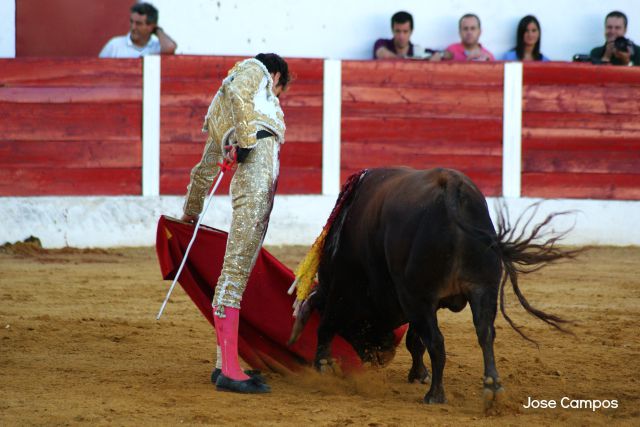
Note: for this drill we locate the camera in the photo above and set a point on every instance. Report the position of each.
(622, 44)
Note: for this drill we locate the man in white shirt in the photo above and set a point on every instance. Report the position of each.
(140, 40)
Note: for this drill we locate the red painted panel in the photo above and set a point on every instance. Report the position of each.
(71, 122)
(70, 126)
(581, 131)
(53, 181)
(416, 74)
(400, 130)
(584, 186)
(68, 27)
(71, 154)
(76, 72)
(188, 85)
(571, 74)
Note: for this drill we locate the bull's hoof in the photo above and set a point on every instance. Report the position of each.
(492, 393)
(326, 366)
(421, 376)
(434, 397)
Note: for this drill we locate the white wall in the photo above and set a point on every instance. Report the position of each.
(132, 221)
(7, 28)
(342, 29)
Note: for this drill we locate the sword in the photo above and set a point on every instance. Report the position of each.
(224, 167)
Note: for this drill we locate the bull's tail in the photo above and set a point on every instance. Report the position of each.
(518, 252)
(525, 253)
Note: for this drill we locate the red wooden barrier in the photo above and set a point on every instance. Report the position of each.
(581, 131)
(423, 115)
(70, 127)
(188, 85)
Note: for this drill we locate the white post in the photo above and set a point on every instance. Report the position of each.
(331, 119)
(512, 130)
(7, 28)
(151, 125)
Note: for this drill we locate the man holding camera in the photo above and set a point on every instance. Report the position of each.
(617, 49)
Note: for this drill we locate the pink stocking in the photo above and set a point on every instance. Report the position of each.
(227, 336)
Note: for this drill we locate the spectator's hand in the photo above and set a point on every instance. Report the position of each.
(609, 51)
(190, 218)
(477, 55)
(622, 56)
(437, 57)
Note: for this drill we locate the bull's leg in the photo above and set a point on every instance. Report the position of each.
(483, 306)
(416, 347)
(431, 336)
(326, 333)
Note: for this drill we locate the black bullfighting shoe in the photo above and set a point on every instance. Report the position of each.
(253, 373)
(251, 385)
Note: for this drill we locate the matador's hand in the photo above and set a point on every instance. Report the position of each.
(190, 218)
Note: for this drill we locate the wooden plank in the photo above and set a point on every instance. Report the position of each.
(562, 73)
(69, 95)
(414, 130)
(424, 147)
(433, 110)
(423, 161)
(416, 74)
(71, 154)
(489, 183)
(584, 133)
(483, 99)
(577, 144)
(582, 99)
(594, 161)
(584, 186)
(86, 72)
(71, 122)
(567, 120)
(54, 181)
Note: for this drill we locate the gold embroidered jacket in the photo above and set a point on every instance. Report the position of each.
(244, 104)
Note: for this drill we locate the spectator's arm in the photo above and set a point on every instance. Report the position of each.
(167, 45)
(383, 53)
(441, 55)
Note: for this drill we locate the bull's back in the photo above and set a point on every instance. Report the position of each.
(425, 230)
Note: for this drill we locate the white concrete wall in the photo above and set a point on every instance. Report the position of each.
(7, 28)
(341, 29)
(131, 221)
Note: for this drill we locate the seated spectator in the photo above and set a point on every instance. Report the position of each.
(617, 50)
(469, 48)
(145, 36)
(527, 42)
(400, 45)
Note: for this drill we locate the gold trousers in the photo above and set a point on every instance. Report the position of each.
(252, 191)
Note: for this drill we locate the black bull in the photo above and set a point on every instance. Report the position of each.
(407, 243)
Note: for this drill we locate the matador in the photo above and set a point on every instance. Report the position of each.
(244, 122)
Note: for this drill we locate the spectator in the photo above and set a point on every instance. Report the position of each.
(145, 36)
(400, 45)
(617, 50)
(527, 42)
(469, 48)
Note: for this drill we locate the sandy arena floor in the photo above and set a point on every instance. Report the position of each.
(79, 344)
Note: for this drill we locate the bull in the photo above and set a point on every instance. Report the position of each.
(406, 243)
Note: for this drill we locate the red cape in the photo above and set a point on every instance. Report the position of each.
(266, 316)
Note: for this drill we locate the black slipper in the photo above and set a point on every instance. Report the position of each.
(251, 385)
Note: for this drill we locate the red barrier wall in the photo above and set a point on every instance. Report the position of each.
(54, 28)
(423, 115)
(581, 131)
(188, 85)
(70, 127)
